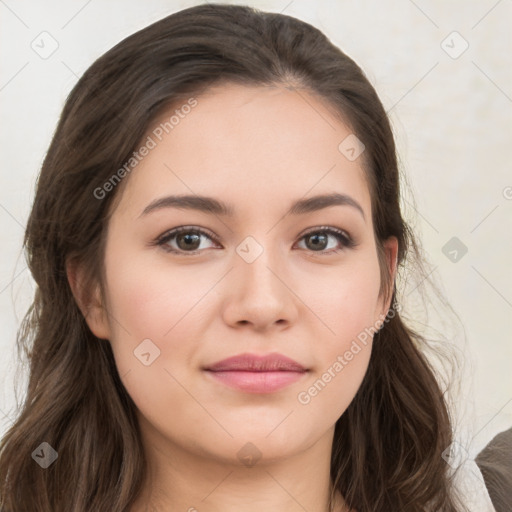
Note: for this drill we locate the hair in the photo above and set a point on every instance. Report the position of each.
(388, 444)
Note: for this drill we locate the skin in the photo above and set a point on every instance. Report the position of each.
(259, 149)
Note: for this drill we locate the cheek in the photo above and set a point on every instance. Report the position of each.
(346, 301)
(158, 304)
(342, 353)
(165, 308)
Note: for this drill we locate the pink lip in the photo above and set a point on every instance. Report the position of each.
(257, 374)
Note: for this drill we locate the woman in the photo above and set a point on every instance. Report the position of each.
(215, 239)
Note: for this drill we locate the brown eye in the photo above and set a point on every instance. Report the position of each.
(184, 240)
(188, 240)
(318, 240)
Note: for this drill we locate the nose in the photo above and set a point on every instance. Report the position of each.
(259, 292)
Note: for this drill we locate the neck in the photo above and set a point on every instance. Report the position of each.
(179, 479)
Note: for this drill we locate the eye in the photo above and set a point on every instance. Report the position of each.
(319, 240)
(186, 240)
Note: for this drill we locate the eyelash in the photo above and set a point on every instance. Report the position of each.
(344, 238)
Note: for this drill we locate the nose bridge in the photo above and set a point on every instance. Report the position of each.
(258, 262)
(258, 291)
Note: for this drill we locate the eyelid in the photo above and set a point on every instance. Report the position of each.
(328, 229)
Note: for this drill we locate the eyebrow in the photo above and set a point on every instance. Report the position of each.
(214, 206)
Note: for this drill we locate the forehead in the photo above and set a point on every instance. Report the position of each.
(247, 145)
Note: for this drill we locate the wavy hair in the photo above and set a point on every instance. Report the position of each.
(388, 445)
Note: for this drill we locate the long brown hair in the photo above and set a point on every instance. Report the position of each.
(388, 445)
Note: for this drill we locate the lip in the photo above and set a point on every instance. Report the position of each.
(257, 374)
(255, 363)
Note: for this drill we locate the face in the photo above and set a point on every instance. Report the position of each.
(265, 279)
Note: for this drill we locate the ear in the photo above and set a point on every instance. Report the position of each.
(390, 248)
(88, 300)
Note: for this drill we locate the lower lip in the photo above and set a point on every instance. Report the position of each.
(257, 382)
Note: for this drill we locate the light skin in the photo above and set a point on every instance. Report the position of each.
(259, 149)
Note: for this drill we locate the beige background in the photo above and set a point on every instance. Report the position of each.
(452, 117)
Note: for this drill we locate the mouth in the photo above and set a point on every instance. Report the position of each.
(256, 374)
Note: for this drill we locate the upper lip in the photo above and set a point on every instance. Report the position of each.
(255, 363)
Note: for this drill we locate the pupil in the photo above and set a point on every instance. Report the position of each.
(190, 240)
(316, 237)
